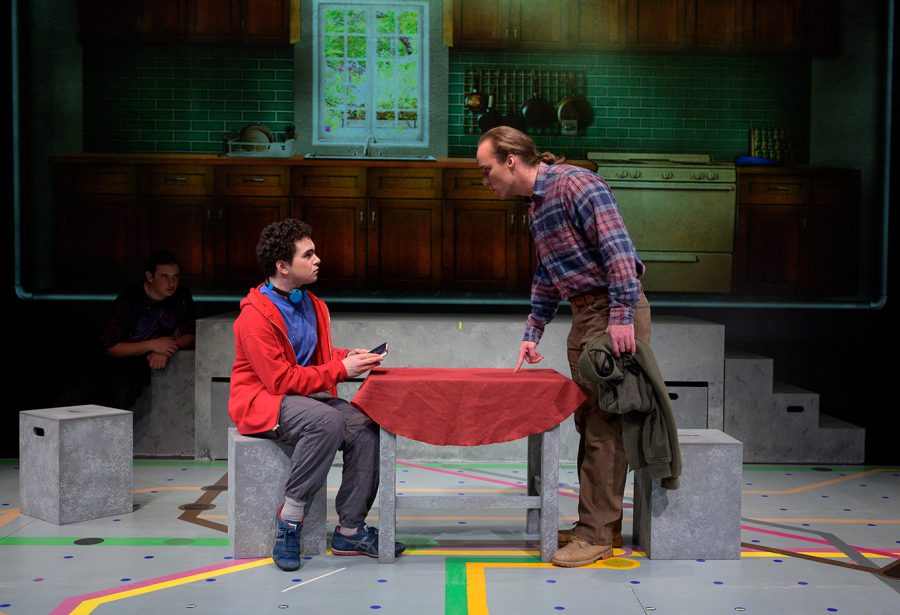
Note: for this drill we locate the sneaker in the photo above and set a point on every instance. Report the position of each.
(363, 542)
(580, 553)
(564, 537)
(286, 551)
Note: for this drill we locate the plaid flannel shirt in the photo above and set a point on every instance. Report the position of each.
(582, 246)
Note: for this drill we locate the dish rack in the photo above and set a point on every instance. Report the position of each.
(247, 149)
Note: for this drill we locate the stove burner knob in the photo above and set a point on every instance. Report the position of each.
(636, 174)
(621, 174)
(698, 176)
(712, 175)
(667, 175)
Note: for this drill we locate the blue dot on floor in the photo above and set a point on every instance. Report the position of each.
(124, 579)
(154, 492)
(148, 557)
(718, 582)
(375, 606)
(402, 481)
(68, 556)
(461, 522)
(461, 482)
(382, 580)
(210, 580)
(116, 519)
(754, 540)
(871, 525)
(805, 524)
(782, 509)
(848, 510)
(228, 557)
(551, 580)
(777, 561)
(863, 485)
(635, 582)
(307, 557)
(296, 580)
(749, 483)
(170, 479)
(701, 560)
(764, 496)
(559, 608)
(5, 605)
(802, 583)
(824, 496)
(885, 497)
(184, 469)
(831, 609)
(5, 504)
(788, 474)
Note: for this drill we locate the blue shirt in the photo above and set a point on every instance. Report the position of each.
(300, 319)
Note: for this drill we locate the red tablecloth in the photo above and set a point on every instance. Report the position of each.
(466, 407)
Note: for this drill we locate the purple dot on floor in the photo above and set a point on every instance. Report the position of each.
(551, 580)
(213, 580)
(872, 524)
(5, 504)
(559, 608)
(562, 484)
(824, 496)
(402, 481)
(805, 524)
(461, 522)
(635, 582)
(183, 469)
(5, 605)
(831, 609)
(718, 582)
(515, 471)
(296, 580)
(701, 560)
(404, 470)
(777, 561)
(228, 557)
(68, 556)
(763, 496)
(754, 540)
(802, 583)
(461, 482)
(399, 493)
(148, 557)
(125, 579)
(375, 606)
(382, 580)
(38, 579)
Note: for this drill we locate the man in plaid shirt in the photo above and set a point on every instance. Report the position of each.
(585, 256)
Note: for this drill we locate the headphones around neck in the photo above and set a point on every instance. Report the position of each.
(295, 296)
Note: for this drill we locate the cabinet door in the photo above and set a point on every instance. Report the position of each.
(182, 225)
(481, 245)
(526, 258)
(339, 232)
(539, 25)
(657, 25)
(597, 25)
(270, 22)
(481, 24)
(716, 25)
(239, 221)
(833, 234)
(770, 251)
(773, 25)
(95, 241)
(405, 243)
(214, 21)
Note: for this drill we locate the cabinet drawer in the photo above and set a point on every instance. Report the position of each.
(253, 181)
(97, 179)
(465, 184)
(177, 179)
(687, 272)
(330, 181)
(405, 183)
(774, 189)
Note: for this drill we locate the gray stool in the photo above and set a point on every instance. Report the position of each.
(702, 518)
(257, 472)
(75, 463)
(164, 414)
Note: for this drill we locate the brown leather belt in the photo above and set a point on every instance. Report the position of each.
(586, 299)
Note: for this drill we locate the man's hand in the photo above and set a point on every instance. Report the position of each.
(622, 339)
(528, 352)
(162, 345)
(360, 363)
(157, 360)
(357, 351)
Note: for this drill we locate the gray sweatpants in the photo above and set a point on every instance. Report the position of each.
(311, 430)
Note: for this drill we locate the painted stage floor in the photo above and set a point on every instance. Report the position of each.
(816, 540)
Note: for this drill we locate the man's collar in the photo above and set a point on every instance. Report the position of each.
(540, 181)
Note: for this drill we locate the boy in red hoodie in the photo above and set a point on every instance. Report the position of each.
(284, 386)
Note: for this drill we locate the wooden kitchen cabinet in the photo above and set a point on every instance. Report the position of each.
(332, 200)
(597, 25)
(96, 227)
(510, 24)
(176, 214)
(716, 25)
(797, 232)
(774, 25)
(250, 197)
(657, 25)
(404, 228)
(245, 22)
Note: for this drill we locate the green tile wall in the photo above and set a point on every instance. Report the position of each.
(660, 103)
(182, 99)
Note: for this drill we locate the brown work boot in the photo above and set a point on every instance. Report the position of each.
(564, 537)
(580, 553)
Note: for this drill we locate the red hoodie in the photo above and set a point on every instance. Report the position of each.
(265, 368)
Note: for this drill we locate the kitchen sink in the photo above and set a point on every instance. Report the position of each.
(370, 157)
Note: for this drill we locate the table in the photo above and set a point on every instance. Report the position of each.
(468, 407)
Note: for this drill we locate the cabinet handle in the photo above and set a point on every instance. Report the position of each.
(373, 219)
(176, 178)
(254, 180)
(515, 34)
(779, 188)
(512, 224)
(506, 34)
(362, 220)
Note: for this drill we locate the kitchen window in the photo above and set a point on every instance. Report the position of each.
(370, 73)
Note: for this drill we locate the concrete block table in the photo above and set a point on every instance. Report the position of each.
(257, 472)
(702, 518)
(75, 463)
(471, 407)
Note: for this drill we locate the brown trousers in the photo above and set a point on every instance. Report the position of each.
(602, 466)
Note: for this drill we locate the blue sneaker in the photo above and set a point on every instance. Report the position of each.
(286, 551)
(363, 542)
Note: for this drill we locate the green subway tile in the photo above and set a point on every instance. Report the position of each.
(616, 132)
(617, 91)
(209, 125)
(195, 135)
(279, 65)
(194, 115)
(260, 116)
(239, 105)
(639, 133)
(226, 116)
(629, 123)
(273, 106)
(208, 105)
(285, 75)
(629, 103)
(258, 74)
(207, 84)
(173, 146)
(153, 114)
(662, 133)
(286, 116)
(201, 65)
(640, 112)
(284, 96)
(156, 135)
(694, 124)
(155, 93)
(173, 125)
(230, 95)
(274, 84)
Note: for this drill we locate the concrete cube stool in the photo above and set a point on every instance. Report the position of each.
(75, 463)
(164, 414)
(257, 472)
(702, 518)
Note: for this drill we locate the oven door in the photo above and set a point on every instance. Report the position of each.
(683, 231)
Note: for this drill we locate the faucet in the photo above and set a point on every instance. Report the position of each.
(369, 143)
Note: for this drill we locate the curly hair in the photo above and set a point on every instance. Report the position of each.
(277, 242)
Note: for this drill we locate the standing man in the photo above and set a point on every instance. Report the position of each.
(284, 386)
(585, 256)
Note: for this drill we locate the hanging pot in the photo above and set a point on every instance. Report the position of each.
(536, 111)
(475, 100)
(489, 119)
(574, 107)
